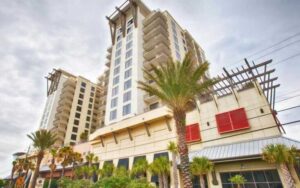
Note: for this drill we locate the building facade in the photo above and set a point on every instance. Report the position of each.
(230, 124)
(72, 107)
(141, 37)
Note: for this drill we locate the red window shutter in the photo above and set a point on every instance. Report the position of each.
(224, 123)
(187, 133)
(239, 119)
(193, 133)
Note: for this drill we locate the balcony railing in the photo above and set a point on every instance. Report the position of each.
(150, 98)
(158, 49)
(160, 38)
(157, 22)
(158, 30)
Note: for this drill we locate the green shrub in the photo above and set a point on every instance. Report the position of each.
(68, 183)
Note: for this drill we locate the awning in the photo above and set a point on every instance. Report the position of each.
(242, 150)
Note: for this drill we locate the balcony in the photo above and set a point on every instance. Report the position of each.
(160, 38)
(158, 49)
(108, 56)
(150, 98)
(159, 59)
(109, 49)
(158, 30)
(107, 63)
(64, 108)
(154, 16)
(157, 22)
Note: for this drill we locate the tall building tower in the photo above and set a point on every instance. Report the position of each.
(72, 107)
(141, 37)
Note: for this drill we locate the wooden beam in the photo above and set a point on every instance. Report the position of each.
(123, 21)
(133, 7)
(168, 124)
(115, 137)
(102, 143)
(112, 28)
(129, 133)
(147, 129)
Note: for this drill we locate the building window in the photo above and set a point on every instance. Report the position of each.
(91, 99)
(129, 22)
(232, 121)
(78, 108)
(81, 96)
(192, 133)
(89, 112)
(129, 53)
(76, 122)
(115, 91)
(129, 37)
(123, 163)
(154, 106)
(93, 88)
(127, 96)
(183, 41)
(126, 109)
(127, 73)
(128, 45)
(117, 61)
(118, 53)
(129, 29)
(261, 179)
(119, 38)
(87, 125)
(114, 102)
(127, 84)
(154, 178)
(178, 56)
(117, 70)
(88, 118)
(90, 105)
(77, 115)
(113, 115)
(83, 84)
(79, 102)
(75, 129)
(175, 39)
(119, 44)
(82, 90)
(116, 80)
(128, 63)
(92, 94)
(73, 137)
(177, 47)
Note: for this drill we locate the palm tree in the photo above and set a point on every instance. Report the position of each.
(42, 140)
(201, 166)
(283, 156)
(140, 168)
(107, 170)
(177, 84)
(172, 147)
(76, 158)
(90, 158)
(52, 166)
(14, 167)
(161, 167)
(65, 157)
(238, 180)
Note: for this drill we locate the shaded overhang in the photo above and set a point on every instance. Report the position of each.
(132, 122)
(245, 150)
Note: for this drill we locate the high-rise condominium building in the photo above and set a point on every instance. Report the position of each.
(141, 37)
(72, 107)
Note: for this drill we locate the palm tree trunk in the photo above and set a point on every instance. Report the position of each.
(202, 181)
(160, 181)
(51, 176)
(165, 181)
(40, 157)
(180, 117)
(63, 171)
(174, 167)
(11, 178)
(287, 176)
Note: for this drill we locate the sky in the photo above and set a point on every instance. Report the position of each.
(37, 36)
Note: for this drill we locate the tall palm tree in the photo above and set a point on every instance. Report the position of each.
(161, 167)
(177, 84)
(283, 156)
(76, 158)
(201, 166)
(140, 168)
(52, 166)
(172, 147)
(14, 167)
(42, 140)
(91, 158)
(65, 157)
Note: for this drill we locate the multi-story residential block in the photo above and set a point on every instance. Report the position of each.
(72, 107)
(230, 124)
(141, 37)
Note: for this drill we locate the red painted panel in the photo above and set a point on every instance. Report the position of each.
(224, 123)
(239, 119)
(193, 133)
